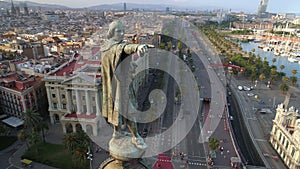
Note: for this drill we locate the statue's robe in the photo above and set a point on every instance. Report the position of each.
(112, 55)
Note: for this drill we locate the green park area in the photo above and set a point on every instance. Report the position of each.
(6, 141)
(55, 155)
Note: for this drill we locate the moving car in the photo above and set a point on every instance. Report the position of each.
(246, 88)
(240, 88)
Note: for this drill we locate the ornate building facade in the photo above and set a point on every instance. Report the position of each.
(285, 135)
(74, 95)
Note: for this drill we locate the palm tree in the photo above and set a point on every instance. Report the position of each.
(213, 143)
(274, 75)
(41, 127)
(281, 67)
(179, 46)
(3, 129)
(162, 45)
(78, 143)
(262, 77)
(169, 45)
(69, 142)
(23, 136)
(31, 118)
(284, 88)
(34, 138)
(285, 79)
(294, 72)
(274, 60)
(293, 80)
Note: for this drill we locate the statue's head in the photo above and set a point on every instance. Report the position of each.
(116, 31)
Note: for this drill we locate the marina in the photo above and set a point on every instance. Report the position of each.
(289, 62)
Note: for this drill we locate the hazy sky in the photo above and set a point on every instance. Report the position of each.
(281, 6)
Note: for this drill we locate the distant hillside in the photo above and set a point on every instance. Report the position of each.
(7, 5)
(129, 6)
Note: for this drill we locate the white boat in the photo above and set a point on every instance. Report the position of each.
(257, 40)
(293, 59)
(266, 49)
(277, 53)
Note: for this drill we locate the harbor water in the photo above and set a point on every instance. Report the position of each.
(280, 60)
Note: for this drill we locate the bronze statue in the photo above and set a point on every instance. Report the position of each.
(114, 52)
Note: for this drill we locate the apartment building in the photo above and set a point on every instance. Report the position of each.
(20, 92)
(285, 135)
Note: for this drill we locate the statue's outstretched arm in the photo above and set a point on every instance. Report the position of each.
(139, 48)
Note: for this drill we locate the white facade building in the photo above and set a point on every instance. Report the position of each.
(285, 135)
(74, 96)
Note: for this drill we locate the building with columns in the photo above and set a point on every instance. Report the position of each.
(285, 135)
(74, 95)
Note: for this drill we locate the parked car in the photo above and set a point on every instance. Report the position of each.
(250, 94)
(240, 88)
(246, 88)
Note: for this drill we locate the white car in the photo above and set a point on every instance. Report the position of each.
(246, 88)
(240, 88)
(250, 94)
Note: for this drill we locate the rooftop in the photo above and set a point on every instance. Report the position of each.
(70, 68)
(19, 82)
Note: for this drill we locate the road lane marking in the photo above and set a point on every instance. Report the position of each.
(262, 140)
(252, 118)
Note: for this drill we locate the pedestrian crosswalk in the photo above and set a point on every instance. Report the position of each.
(190, 162)
(196, 163)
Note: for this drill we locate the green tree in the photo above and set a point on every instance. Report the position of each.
(253, 77)
(294, 72)
(293, 80)
(179, 46)
(23, 136)
(34, 139)
(189, 53)
(262, 77)
(281, 67)
(162, 45)
(274, 60)
(169, 45)
(285, 79)
(3, 129)
(31, 119)
(213, 143)
(78, 144)
(284, 88)
(41, 127)
(274, 75)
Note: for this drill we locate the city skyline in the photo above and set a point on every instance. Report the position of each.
(245, 5)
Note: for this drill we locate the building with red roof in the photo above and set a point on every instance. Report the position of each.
(73, 93)
(20, 92)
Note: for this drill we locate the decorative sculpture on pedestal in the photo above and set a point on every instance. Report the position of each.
(125, 148)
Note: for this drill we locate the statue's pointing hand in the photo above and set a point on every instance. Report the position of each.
(142, 49)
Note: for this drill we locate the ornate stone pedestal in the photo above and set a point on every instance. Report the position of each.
(125, 155)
